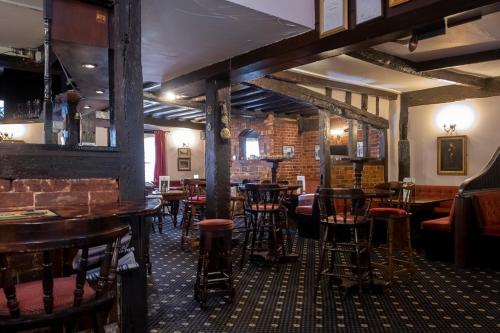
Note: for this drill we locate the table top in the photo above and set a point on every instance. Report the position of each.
(428, 201)
(75, 225)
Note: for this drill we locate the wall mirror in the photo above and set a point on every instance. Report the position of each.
(249, 145)
(78, 109)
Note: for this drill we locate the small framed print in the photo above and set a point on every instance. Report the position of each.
(333, 17)
(184, 153)
(367, 10)
(183, 164)
(394, 3)
(452, 155)
(316, 152)
(288, 151)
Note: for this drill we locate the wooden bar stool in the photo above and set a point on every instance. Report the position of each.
(397, 218)
(344, 237)
(194, 205)
(214, 273)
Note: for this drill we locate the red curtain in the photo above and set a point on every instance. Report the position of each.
(160, 156)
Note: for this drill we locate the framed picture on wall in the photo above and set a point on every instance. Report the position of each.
(183, 164)
(184, 153)
(333, 17)
(394, 3)
(288, 151)
(452, 155)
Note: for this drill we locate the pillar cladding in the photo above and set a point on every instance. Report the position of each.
(218, 147)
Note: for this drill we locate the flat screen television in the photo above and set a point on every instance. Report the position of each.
(339, 150)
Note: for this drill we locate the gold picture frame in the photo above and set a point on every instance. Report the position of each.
(183, 164)
(452, 155)
(394, 3)
(184, 152)
(327, 6)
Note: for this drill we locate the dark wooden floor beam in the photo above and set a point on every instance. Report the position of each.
(320, 101)
(320, 82)
(407, 67)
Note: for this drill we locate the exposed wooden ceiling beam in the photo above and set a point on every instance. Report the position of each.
(278, 104)
(262, 96)
(176, 102)
(173, 123)
(156, 108)
(407, 67)
(244, 93)
(268, 102)
(178, 115)
(458, 60)
(308, 47)
(320, 101)
(321, 82)
(173, 112)
(447, 94)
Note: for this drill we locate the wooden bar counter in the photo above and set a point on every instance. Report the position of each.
(73, 224)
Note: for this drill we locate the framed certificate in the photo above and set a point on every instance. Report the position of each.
(367, 10)
(332, 17)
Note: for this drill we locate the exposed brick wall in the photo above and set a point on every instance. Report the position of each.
(38, 193)
(274, 133)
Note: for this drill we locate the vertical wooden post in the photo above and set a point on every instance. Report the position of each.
(324, 149)
(127, 107)
(365, 126)
(72, 125)
(47, 74)
(217, 149)
(404, 143)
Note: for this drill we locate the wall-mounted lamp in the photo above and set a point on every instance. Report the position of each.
(337, 132)
(183, 138)
(450, 130)
(455, 117)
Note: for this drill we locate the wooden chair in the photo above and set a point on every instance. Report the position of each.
(397, 216)
(58, 302)
(344, 236)
(195, 203)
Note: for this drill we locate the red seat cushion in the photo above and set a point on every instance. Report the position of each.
(492, 230)
(442, 224)
(304, 210)
(30, 296)
(349, 219)
(306, 199)
(198, 198)
(216, 225)
(388, 211)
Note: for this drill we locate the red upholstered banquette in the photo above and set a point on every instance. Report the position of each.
(487, 208)
(437, 191)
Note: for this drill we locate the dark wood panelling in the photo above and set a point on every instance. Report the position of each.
(53, 161)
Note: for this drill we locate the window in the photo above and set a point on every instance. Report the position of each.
(2, 109)
(149, 157)
(249, 145)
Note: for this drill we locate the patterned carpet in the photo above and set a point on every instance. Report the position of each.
(280, 298)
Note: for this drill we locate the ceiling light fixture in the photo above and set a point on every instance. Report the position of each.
(100, 92)
(170, 96)
(86, 107)
(89, 66)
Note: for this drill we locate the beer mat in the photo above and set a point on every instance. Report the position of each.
(26, 214)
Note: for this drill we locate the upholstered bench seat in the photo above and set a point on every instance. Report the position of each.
(30, 296)
(487, 207)
(442, 224)
(304, 210)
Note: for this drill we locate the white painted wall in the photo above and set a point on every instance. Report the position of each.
(29, 133)
(483, 139)
(297, 11)
(174, 138)
(393, 138)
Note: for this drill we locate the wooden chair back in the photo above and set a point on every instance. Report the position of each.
(263, 197)
(194, 188)
(343, 205)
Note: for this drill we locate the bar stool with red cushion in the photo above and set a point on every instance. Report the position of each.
(214, 272)
(343, 215)
(57, 301)
(263, 205)
(194, 205)
(397, 218)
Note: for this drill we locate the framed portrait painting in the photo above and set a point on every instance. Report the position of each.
(333, 16)
(394, 3)
(184, 152)
(288, 151)
(452, 155)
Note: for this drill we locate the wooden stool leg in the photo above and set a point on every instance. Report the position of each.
(411, 263)
(322, 245)
(390, 261)
(245, 243)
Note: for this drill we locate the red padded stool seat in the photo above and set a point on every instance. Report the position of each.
(216, 225)
(388, 211)
(304, 210)
(30, 296)
(442, 224)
